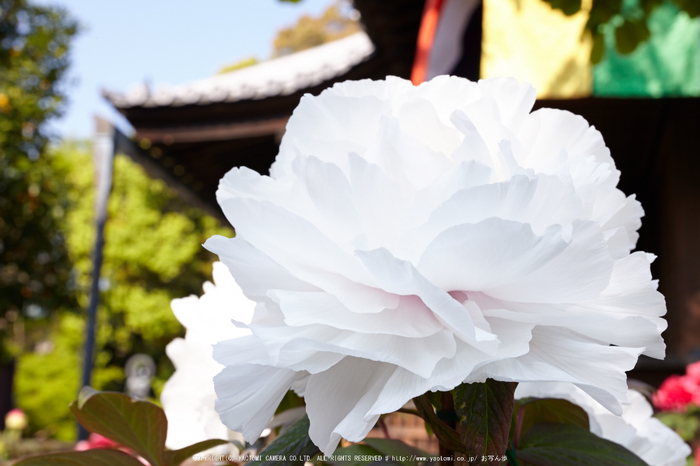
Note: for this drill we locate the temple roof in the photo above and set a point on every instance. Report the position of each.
(277, 77)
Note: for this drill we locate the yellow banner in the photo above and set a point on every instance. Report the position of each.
(532, 42)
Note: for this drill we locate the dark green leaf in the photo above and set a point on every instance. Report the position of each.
(625, 38)
(103, 457)
(447, 436)
(649, 5)
(289, 401)
(175, 457)
(549, 410)
(568, 7)
(570, 445)
(598, 49)
(435, 399)
(138, 425)
(692, 7)
(293, 442)
(485, 411)
(630, 34)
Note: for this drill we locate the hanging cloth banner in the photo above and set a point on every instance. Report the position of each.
(448, 44)
(441, 37)
(426, 35)
(533, 42)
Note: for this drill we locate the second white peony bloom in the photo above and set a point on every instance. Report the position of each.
(411, 239)
(188, 396)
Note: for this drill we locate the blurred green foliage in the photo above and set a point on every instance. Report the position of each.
(240, 64)
(666, 64)
(337, 21)
(35, 271)
(632, 28)
(685, 424)
(152, 255)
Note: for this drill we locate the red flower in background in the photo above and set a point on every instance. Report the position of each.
(676, 392)
(693, 372)
(96, 441)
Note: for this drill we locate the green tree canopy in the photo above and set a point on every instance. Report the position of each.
(153, 254)
(336, 22)
(34, 267)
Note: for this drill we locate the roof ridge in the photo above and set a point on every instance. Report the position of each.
(278, 76)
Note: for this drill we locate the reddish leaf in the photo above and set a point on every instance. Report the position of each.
(138, 425)
(176, 457)
(82, 458)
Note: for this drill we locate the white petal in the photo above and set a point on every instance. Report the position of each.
(401, 277)
(421, 120)
(507, 260)
(330, 193)
(248, 395)
(561, 355)
(338, 401)
(246, 263)
(540, 202)
(409, 162)
(411, 318)
(419, 355)
(369, 182)
(291, 241)
(513, 100)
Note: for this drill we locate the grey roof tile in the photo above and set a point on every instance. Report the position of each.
(279, 76)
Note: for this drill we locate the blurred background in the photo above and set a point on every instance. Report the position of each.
(166, 97)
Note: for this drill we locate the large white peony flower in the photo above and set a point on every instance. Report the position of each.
(636, 429)
(413, 238)
(188, 396)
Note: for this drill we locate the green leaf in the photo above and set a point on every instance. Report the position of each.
(102, 457)
(485, 411)
(290, 401)
(550, 410)
(293, 442)
(649, 5)
(569, 445)
(598, 49)
(568, 7)
(138, 425)
(692, 7)
(85, 395)
(629, 35)
(175, 457)
(447, 436)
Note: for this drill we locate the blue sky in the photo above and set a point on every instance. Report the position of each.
(162, 41)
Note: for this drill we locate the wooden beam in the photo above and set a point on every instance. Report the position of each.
(216, 132)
